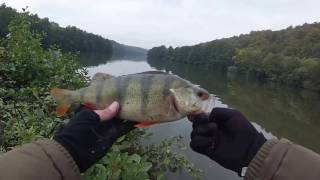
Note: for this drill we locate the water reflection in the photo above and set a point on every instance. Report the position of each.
(283, 111)
(120, 67)
(94, 59)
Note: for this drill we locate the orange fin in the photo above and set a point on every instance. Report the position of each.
(62, 109)
(62, 97)
(90, 106)
(145, 124)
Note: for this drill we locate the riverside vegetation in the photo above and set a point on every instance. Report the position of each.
(27, 111)
(290, 56)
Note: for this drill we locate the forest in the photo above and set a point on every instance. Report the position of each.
(290, 56)
(70, 38)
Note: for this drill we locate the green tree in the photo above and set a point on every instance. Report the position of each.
(279, 56)
(69, 39)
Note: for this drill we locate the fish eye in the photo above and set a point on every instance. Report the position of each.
(200, 94)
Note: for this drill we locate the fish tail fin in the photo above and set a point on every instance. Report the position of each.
(63, 98)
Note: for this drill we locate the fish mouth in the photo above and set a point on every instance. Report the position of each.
(203, 95)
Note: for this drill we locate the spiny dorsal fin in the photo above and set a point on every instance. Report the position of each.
(101, 77)
(152, 72)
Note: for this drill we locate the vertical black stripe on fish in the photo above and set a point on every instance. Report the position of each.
(122, 85)
(99, 87)
(146, 82)
(118, 87)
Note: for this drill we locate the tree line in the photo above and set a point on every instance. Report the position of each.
(70, 38)
(289, 56)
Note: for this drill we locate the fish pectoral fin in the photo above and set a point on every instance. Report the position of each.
(145, 124)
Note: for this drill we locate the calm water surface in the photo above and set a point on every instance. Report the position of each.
(276, 111)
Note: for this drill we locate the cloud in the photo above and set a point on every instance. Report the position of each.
(148, 23)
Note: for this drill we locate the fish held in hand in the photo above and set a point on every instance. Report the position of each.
(148, 97)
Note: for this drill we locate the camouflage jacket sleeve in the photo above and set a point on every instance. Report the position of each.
(284, 160)
(43, 159)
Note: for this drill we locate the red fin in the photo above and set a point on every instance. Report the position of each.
(90, 106)
(64, 103)
(145, 124)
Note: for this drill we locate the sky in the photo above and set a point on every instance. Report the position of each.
(149, 23)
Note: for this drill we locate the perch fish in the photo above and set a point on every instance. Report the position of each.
(149, 97)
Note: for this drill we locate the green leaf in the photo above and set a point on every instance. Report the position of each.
(146, 166)
(135, 158)
(121, 139)
(160, 176)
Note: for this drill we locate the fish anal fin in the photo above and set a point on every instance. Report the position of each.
(62, 109)
(90, 106)
(145, 124)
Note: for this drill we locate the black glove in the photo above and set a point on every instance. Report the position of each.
(227, 137)
(88, 139)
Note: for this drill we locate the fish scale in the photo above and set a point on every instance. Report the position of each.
(132, 99)
(157, 94)
(146, 88)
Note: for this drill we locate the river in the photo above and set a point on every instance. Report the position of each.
(274, 110)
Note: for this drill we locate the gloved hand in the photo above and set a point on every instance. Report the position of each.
(227, 137)
(89, 134)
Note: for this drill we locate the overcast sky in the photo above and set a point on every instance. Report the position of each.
(149, 23)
